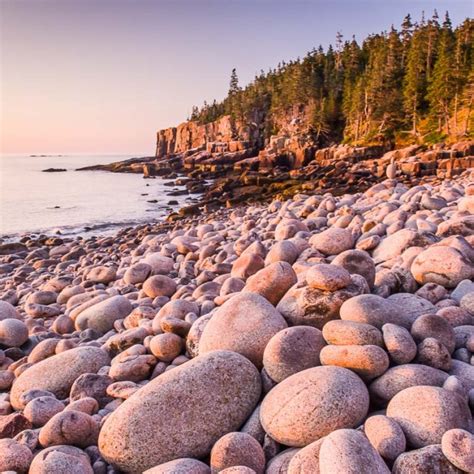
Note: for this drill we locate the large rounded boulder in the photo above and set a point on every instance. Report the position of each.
(445, 266)
(56, 374)
(244, 324)
(313, 403)
(426, 413)
(181, 413)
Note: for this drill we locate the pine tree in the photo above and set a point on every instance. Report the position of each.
(442, 86)
(415, 80)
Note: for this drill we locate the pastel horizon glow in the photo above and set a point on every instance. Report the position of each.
(102, 76)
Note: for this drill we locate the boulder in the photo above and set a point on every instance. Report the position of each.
(425, 460)
(373, 310)
(292, 350)
(350, 452)
(13, 332)
(340, 332)
(180, 466)
(443, 265)
(237, 449)
(458, 446)
(327, 277)
(366, 361)
(307, 406)
(244, 324)
(101, 316)
(398, 378)
(14, 456)
(61, 460)
(332, 241)
(8, 311)
(272, 282)
(181, 413)
(56, 374)
(386, 436)
(357, 262)
(426, 413)
(306, 306)
(159, 285)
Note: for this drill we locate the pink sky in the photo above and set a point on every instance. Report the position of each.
(101, 76)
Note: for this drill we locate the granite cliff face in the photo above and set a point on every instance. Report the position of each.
(224, 133)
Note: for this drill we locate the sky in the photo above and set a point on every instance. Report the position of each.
(102, 76)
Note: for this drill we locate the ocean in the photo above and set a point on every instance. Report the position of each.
(77, 202)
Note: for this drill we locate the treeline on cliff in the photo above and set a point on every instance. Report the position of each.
(414, 84)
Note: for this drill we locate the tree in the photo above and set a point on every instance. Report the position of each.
(442, 86)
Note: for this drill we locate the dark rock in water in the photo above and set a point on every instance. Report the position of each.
(54, 170)
(153, 201)
(12, 248)
(173, 202)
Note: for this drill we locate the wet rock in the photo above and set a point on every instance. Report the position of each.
(445, 266)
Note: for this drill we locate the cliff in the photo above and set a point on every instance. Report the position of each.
(194, 136)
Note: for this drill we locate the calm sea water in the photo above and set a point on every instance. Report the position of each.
(32, 201)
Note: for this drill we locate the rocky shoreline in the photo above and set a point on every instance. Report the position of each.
(232, 172)
(329, 331)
